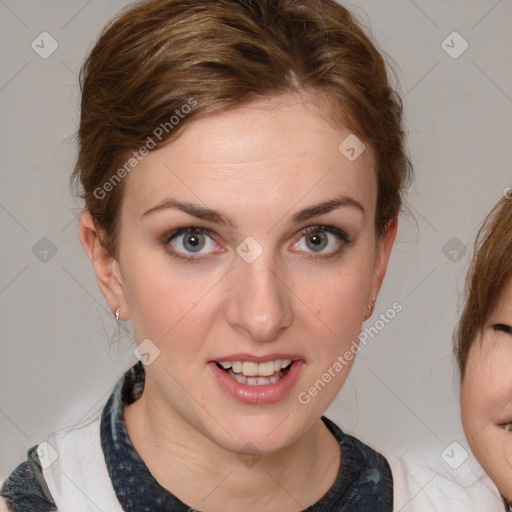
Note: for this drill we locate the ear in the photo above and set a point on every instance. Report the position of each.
(105, 266)
(383, 251)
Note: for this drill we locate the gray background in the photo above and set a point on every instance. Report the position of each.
(56, 365)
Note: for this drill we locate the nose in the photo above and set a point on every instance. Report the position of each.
(260, 302)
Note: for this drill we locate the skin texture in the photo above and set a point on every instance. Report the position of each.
(258, 165)
(486, 397)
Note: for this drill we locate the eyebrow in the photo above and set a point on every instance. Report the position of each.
(214, 216)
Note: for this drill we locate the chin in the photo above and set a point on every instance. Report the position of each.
(260, 435)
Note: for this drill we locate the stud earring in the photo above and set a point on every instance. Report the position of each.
(118, 312)
(370, 308)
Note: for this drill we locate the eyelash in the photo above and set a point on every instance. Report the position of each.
(502, 328)
(338, 233)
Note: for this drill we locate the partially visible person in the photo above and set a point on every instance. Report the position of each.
(483, 343)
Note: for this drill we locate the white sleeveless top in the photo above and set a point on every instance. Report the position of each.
(78, 478)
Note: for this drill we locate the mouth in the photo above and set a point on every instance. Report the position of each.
(252, 373)
(258, 380)
(507, 426)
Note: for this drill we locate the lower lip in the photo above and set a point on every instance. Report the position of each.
(266, 394)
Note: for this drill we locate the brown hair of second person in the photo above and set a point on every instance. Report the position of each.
(490, 271)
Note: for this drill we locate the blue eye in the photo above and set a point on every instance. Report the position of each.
(317, 239)
(184, 243)
(502, 328)
(192, 239)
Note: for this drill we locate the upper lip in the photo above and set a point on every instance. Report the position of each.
(257, 359)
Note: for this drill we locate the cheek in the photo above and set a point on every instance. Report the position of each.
(340, 294)
(342, 300)
(158, 296)
(486, 392)
(471, 402)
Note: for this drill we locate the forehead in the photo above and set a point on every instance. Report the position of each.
(272, 152)
(504, 305)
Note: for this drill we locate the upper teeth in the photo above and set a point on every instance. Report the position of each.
(251, 369)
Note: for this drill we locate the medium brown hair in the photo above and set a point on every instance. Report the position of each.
(489, 273)
(158, 57)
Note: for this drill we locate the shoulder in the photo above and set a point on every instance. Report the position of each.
(373, 476)
(356, 453)
(424, 480)
(25, 489)
(364, 480)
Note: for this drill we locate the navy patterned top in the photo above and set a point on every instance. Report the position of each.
(364, 482)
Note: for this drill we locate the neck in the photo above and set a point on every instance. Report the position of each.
(206, 476)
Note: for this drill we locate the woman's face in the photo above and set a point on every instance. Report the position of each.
(486, 395)
(245, 284)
